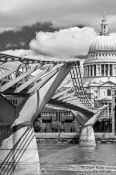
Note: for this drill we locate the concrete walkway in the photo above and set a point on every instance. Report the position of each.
(71, 135)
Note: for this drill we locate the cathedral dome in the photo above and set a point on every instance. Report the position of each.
(102, 43)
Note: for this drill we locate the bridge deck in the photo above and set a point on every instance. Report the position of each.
(24, 76)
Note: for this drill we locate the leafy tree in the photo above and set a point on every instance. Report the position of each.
(38, 125)
(76, 126)
(57, 126)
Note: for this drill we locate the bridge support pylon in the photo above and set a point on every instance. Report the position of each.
(18, 147)
(87, 137)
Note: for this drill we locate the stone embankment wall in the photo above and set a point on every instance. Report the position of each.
(68, 137)
(57, 137)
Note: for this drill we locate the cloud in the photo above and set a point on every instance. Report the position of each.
(64, 43)
(17, 52)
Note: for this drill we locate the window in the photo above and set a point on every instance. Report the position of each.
(91, 69)
(94, 70)
(102, 69)
(109, 92)
(106, 70)
(110, 69)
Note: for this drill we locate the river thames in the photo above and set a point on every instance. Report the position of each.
(65, 159)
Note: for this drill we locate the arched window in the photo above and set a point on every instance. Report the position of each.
(108, 92)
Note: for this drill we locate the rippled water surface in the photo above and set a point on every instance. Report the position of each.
(64, 159)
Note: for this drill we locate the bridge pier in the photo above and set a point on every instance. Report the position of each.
(87, 137)
(18, 151)
(18, 147)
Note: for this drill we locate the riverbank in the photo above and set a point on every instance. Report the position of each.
(73, 137)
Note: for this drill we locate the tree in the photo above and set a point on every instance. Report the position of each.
(76, 125)
(57, 126)
(38, 125)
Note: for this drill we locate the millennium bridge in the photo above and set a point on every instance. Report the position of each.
(35, 82)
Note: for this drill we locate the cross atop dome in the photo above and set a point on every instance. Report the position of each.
(104, 26)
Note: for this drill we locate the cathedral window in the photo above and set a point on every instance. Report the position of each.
(94, 70)
(91, 69)
(102, 69)
(110, 69)
(88, 71)
(106, 70)
(108, 92)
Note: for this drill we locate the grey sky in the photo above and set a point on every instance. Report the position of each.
(16, 13)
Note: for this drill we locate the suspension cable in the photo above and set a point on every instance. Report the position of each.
(79, 87)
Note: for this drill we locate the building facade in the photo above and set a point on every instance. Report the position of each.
(100, 71)
(57, 120)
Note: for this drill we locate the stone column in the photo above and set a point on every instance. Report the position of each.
(108, 70)
(112, 69)
(93, 70)
(98, 70)
(89, 71)
(86, 71)
(104, 70)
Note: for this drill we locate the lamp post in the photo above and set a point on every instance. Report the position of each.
(113, 110)
(104, 128)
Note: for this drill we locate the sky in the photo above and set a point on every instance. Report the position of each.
(66, 13)
(15, 13)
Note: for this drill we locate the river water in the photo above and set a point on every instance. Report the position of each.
(67, 159)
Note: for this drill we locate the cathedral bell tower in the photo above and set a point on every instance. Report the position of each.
(104, 26)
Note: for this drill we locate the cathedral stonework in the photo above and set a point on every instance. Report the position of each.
(100, 70)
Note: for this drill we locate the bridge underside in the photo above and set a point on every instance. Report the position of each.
(75, 107)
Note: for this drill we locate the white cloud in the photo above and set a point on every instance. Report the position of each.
(113, 35)
(17, 52)
(64, 43)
